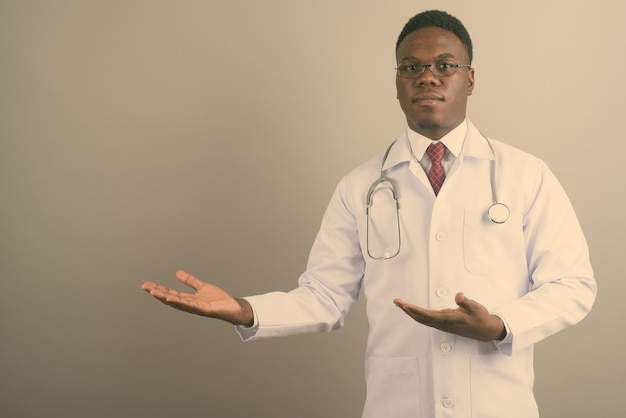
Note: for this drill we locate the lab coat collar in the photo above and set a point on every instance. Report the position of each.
(475, 145)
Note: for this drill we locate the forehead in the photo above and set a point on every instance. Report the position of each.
(429, 43)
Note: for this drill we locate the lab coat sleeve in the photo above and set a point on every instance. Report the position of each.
(326, 290)
(562, 286)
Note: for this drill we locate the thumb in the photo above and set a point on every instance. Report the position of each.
(468, 305)
(188, 279)
(463, 302)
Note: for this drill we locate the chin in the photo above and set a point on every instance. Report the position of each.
(429, 126)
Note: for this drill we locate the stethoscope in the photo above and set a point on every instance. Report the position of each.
(498, 212)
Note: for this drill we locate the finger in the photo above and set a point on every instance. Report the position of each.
(189, 280)
(161, 292)
(181, 303)
(178, 301)
(147, 286)
(407, 307)
(416, 312)
(157, 289)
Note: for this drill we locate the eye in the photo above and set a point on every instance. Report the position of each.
(409, 68)
(446, 68)
(445, 65)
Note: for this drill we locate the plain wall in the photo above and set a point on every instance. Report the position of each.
(141, 137)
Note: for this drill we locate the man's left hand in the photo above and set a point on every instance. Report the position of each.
(470, 319)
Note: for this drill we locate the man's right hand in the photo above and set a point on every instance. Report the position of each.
(208, 300)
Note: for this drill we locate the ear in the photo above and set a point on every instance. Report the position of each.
(470, 81)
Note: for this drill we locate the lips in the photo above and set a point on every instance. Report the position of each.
(428, 98)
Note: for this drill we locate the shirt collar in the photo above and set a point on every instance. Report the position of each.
(463, 141)
(453, 141)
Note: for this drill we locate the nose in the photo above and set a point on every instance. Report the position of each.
(427, 77)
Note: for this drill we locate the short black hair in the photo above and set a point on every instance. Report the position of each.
(441, 20)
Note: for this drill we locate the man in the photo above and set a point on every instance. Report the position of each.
(525, 270)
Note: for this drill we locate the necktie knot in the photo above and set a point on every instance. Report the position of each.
(436, 175)
(435, 152)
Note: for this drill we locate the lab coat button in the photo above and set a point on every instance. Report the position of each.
(448, 403)
(441, 236)
(445, 347)
(441, 291)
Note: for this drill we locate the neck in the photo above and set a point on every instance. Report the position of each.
(434, 132)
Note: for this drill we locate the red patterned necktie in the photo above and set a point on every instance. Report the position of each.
(436, 175)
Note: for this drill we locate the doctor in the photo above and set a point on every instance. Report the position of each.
(455, 300)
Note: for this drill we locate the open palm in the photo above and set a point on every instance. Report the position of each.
(208, 300)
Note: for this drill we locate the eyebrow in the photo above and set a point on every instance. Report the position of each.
(440, 56)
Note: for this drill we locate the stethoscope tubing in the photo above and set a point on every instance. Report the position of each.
(498, 212)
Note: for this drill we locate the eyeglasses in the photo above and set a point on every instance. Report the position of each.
(439, 68)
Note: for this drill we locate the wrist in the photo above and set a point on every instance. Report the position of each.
(502, 335)
(246, 314)
(500, 329)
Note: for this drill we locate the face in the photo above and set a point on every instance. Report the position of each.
(434, 105)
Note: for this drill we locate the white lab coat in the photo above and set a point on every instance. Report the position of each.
(533, 271)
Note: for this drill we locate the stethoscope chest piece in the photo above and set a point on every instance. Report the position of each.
(499, 213)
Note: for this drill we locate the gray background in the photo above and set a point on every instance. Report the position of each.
(141, 137)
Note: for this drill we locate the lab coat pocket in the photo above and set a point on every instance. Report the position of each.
(502, 386)
(392, 387)
(491, 248)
